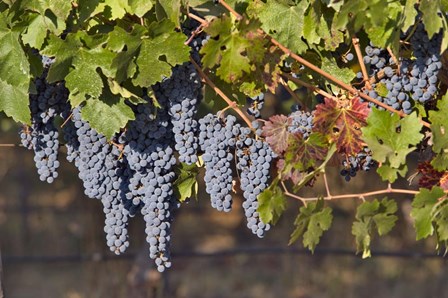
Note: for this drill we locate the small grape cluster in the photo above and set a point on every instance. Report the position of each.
(255, 104)
(352, 164)
(43, 136)
(301, 122)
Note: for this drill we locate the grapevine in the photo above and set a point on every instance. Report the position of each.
(148, 98)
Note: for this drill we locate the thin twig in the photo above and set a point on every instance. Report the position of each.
(289, 194)
(203, 22)
(10, 145)
(196, 32)
(354, 195)
(229, 8)
(327, 188)
(66, 120)
(365, 76)
(218, 91)
(392, 55)
(293, 94)
(309, 86)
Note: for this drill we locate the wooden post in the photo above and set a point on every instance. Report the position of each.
(2, 294)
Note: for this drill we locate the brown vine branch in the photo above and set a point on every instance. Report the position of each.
(293, 94)
(327, 188)
(229, 8)
(326, 75)
(361, 63)
(66, 120)
(218, 91)
(388, 190)
(309, 86)
(203, 22)
(392, 55)
(10, 145)
(289, 194)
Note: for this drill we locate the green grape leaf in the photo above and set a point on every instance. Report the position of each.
(349, 9)
(311, 222)
(116, 8)
(439, 131)
(385, 32)
(342, 121)
(64, 50)
(37, 29)
(117, 89)
(311, 23)
(381, 89)
(127, 46)
(409, 14)
(86, 9)
(229, 50)
(342, 73)
(84, 80)
(171, 9)
(14, 101)
(186, 185)
(390, 174)
(285, 23)
(373, 216)
(271, 204)
(140, 7)
(14, 75)
(424, 207)
(107, 114)
(158, 55)
(430, 9)
(391, 139)
(60, 8)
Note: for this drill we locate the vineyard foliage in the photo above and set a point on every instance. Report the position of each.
(122, 82)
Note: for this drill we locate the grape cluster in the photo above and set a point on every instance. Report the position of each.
(411, 80)
(216, 138)
(184, 92)
(253, 161)
(301, 122)
(352, 164)
(43, 136)
(99, 169)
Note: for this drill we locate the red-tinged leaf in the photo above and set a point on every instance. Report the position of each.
(444, 182)
(429, 176)
(342, 121)
(288, 172)
(304, 153)
(276, 132)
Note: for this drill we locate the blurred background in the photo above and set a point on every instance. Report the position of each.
(53, 245)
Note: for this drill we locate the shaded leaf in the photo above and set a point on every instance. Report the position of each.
(373, 216)
(311, 222)
(423, 210)
(186, 185)
(271, 204)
